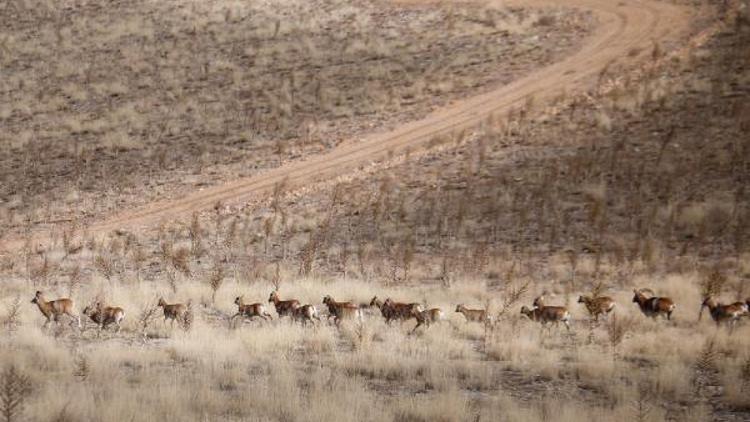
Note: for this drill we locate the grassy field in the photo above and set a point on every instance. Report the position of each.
(628, 368)
(639, 183)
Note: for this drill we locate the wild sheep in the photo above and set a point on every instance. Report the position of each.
(305, 314)
(547, 314)
(250, 310)
(729, 314)
(342, 310)
(473, 315)
(283, 307)
(105, 315)
(395, 310)
(427, 317)
(553, 314)
(53, 309)
(601, 305)
(653, 306)
(173, 312)
(400, 311)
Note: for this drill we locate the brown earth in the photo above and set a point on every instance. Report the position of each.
(625, 30)
(109, 108)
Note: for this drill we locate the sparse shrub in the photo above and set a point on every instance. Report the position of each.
(12, 315)
(745, 374)
(712, 283)
(641, 405)
(82, 368)
(74, 280)
(146, 316)
(617, 329)
(105, 266)
(15, 388)
(181, 261)
(705, 369)
(186, 322)
(40, 274)
(195, 232)
(512, 294)
(138, 257)
(216, 279)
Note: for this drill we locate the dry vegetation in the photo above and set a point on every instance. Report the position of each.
(639, 183)
(111, 106)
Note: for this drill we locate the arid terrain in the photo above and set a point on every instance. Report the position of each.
(442, 154)
(197, 94)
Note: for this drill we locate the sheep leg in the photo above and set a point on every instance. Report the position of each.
(232, 320)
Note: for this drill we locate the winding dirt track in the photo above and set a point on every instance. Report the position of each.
(624, 27)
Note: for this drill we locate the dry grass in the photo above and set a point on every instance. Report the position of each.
(193, 95)
(442, 372)
(638, 200)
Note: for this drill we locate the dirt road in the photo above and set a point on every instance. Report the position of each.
(625, 27)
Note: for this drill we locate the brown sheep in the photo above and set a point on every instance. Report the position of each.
(53, 309)
(729, 314)
(173, 312)
(427, 317)
(601, 305)
(283, 307)
(250, 310)
(653, 306)
(342, 310)
(105, 315)
(473, 315)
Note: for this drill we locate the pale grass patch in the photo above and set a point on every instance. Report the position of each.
(308, 373)
(451, 405)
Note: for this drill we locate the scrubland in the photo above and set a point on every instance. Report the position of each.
(117, 105)
(640, 182)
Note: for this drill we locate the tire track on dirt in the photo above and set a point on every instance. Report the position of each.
(624, 27)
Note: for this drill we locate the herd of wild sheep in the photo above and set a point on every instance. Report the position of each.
(651, 306)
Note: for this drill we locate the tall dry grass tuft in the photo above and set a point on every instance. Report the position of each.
(138, 258)
(195, 233)
(713, 283)
(512, 294)
(82, 368)
(642, 407)
(12, 315)
(15, 389)
(216, 278)
(187, 320)
(147, 315)
(74, 280)
(705, 369)
(617, 329)
(180, 260)
(745, 374)
(105, 266)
